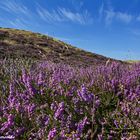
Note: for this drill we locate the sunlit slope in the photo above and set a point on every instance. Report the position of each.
(18, 43)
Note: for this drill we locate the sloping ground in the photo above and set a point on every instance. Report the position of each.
(18, 43)
(133, 61)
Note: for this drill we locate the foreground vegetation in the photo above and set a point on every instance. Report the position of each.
(44, 100)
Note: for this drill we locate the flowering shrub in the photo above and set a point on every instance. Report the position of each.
(56, 101)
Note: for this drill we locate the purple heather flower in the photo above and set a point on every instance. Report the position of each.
(53, 106)
(81, 125)
(97, 103)
(46, 120)
(29, 86)
(84, 95)
(59, 111)
(137, 110)
(11, 89)
(62, 134)
(9, 123)
(40, 79)
(52, 134)
(138, 90)
(110, 137)
(116, 123)
(31, 108)
(41, 133)
(75, 100)
(12, 102)
(20, 131)
(100, 137)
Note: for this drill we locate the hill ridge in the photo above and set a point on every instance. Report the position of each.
(26, 44)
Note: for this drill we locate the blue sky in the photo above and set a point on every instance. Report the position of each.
(107, 27)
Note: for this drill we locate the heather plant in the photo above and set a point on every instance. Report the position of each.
(44, 100)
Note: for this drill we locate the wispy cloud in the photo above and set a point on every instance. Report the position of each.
(124, 17)
(138, 18)
(136, 32)
(64, 15)
(112, 15)
(77, 4)
(14, 7)
(49, 16)
(18, 14)
(101, 11)
(18, 23)
(109, 16)
(82, 18)
(119, 16)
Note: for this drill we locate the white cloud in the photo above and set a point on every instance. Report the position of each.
(77, 4)
(49, 16)
(138, 18)
(124, 17)
(109, 16)
(64, 15)
(136, 32)
(82, 18)
(18, 23)
(14, 7)
(120, 16)
(101, 12)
